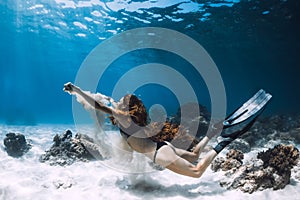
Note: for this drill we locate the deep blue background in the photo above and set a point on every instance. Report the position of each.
(255, 44)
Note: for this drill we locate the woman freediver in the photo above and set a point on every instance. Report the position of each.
(130, 115)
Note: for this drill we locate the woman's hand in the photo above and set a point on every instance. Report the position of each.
(70, 88)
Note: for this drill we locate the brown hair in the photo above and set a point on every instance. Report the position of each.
(174, 133)
(136, 109)
(161, 131)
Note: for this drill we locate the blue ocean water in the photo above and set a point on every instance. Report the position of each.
(254, 43)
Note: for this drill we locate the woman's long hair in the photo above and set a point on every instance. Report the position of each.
(136, 109)
(160, 131)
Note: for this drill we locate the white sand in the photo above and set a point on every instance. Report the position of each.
(27, 178)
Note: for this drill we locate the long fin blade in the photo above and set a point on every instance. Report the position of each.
(240, 110)
(259, 106)
(250, 108)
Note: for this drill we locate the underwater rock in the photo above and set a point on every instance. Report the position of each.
(216, 165)
(234, 159)
(271, 169)
(241, 145)
(235, 154)
(66, 150)
(282, 158)
(296, 171)
(16, 144)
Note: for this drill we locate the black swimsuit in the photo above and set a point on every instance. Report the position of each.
(124, 134)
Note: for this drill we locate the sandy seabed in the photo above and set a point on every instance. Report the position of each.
(27, 178)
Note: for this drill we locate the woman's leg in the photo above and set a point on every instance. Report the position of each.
(167, 157)
(194, 155)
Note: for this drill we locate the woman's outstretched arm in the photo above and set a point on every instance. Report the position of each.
(73, 89)
(122, 117)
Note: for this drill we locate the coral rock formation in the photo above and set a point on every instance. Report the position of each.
(233, 161)
(282, 158)
(272, 169)
(16, 144)
(66, 150)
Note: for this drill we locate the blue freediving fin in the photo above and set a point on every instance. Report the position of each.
(248, 109)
